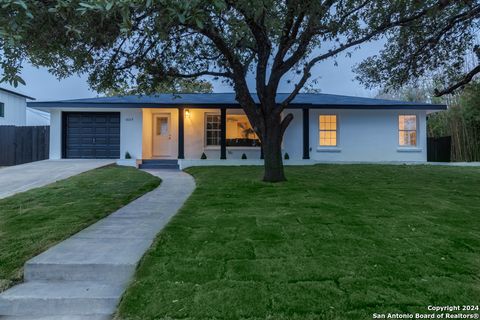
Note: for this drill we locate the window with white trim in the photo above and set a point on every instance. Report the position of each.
(239, 132)
(328, 130)
(407, 130)
(212, 130)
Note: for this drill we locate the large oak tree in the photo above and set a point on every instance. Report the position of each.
(145, 42)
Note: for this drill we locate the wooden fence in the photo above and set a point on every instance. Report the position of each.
(439, 149)
(23, 144)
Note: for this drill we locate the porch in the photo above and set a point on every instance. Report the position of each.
(213, 133)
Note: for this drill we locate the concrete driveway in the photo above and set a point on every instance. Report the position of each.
(27, 176)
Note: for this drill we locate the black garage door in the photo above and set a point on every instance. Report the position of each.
(91, 135)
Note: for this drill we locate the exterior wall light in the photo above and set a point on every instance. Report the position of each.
(187, 113)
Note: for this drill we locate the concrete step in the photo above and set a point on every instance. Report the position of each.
(56, 298)
(88, 259)
(159, 166)
(160, 161)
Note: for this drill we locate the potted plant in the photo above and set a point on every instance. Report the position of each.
(128, 161)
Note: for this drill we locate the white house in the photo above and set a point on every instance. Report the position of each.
(326, 128)
(13, 108)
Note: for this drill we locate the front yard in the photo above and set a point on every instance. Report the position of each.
(334, 242)
(32, 221)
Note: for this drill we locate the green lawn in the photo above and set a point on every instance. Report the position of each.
(334, 242)
(32, 221)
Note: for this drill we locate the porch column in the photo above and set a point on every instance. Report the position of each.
(181, 133)
(306, 133)
(223, 133)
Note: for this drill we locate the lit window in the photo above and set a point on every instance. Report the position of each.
(240, 133)
(2, 110)
(212, 131)
(162, 126)
(328, 130)
(407, 130)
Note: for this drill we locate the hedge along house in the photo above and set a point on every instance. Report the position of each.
(326, 128)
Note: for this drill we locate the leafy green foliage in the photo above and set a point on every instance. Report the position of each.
(470, 100)
(174, 86)
(420, 92)
(333, 242)
(33, 221)
(442, 44)
(462, 122)
(140, 44)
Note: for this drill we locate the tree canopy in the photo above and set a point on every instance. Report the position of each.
(443, 45)
(175, 86)
(143, 43)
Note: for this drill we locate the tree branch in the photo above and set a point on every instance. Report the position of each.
(173, 73)
(437, 36)
(238, 72)
(263, 44)
(351, 43)
(289, 32)
(285, 122)
(465, 80)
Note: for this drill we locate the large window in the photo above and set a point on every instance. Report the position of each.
(328, 130)
(212, 132)
(407, 130)
(2, 110)
(239, 131)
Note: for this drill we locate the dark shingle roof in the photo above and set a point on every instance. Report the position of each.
(313, 100)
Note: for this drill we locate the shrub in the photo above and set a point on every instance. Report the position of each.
(127, 155)
(286, 156)
(204, 156)
(244, 156)
(462, 122)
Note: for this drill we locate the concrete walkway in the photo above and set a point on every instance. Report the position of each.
(456, 164)
(27, 176)
(85, 276)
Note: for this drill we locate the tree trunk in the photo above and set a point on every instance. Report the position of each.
(268, 124)
(272, 152)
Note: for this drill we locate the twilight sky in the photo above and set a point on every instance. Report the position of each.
(331, 79)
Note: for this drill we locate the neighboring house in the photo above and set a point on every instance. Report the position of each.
(325, 128)
(37, 118)
(13, 108)
(24, 132)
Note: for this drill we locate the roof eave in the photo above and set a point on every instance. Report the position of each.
(59, 104)
(17, 94)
